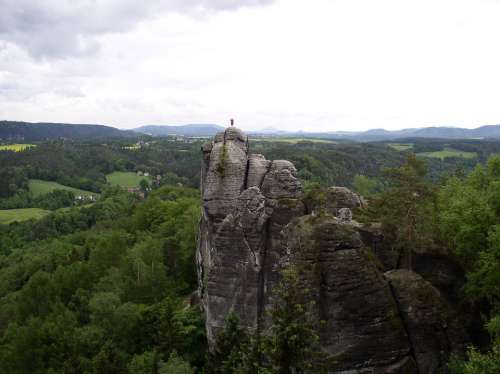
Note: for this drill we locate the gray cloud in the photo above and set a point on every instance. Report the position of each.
(63, 28)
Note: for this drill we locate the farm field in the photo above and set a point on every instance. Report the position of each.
(68, 208)
(132, 147)
(448, 152)
(39, 187)
(294, 140)
(125, 179)
(16, 147)
(12, 215)
(401, 146)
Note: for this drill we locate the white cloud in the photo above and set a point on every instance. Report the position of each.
(62, 28)
(316, 65)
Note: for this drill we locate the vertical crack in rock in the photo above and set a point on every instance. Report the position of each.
(268, 170)
(261, 280)
(245, 182)
(404, 323)
(426, 317)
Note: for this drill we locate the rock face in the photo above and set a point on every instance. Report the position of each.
(363, 329)
(333, 199)
(255, 220)
(247, 200)
(432, 328)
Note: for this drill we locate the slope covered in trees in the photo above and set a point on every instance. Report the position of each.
(109, 287)
(102, 289)
(461, 218)
(32, 132)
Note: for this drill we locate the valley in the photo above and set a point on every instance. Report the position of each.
(249, 187)
(108, 230)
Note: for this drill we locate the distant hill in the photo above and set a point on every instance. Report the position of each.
(27, 131)
(457, 132)
(184, 130)
(483, 132)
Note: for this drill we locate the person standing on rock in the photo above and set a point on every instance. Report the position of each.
(232, 122)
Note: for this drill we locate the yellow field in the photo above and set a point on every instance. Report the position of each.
(16, 147)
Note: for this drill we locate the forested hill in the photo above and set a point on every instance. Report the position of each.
(441, 132)
(26, 131)
(183, 130)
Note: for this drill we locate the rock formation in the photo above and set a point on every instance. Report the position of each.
(247, 200)
(255, 219)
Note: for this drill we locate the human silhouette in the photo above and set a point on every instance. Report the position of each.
(232, 122)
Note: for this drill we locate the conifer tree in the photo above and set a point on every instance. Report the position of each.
(405, 208)
(230, 344)
(291, 342)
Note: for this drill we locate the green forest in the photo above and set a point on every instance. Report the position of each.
(108, 284)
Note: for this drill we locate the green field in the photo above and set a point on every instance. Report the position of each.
(295, 140)
(12, 215)
(68, 208)
(448, 152)
(125, 179)
(39, 187)
(15, 147)
(401, 146)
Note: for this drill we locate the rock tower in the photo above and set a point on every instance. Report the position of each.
(255, 219)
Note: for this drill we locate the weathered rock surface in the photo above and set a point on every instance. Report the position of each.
(363, 329)
(255, 221)
(332, 199)
(434, 331)
(247, 200)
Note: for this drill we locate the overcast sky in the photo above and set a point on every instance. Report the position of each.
(315, 65)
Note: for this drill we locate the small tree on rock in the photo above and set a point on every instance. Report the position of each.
(405, 207)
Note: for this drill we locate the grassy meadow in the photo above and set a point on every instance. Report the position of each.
(125, 179)
(401, 146)
(17, 215)
(39, 187)
(293, 140)
(448, 152)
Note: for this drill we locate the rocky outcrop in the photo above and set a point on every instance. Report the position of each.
(247, 200)
(255, 221)
(332, 199)
(351, 294)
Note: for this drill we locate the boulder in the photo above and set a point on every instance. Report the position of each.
(330, 200)
(281, 181)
